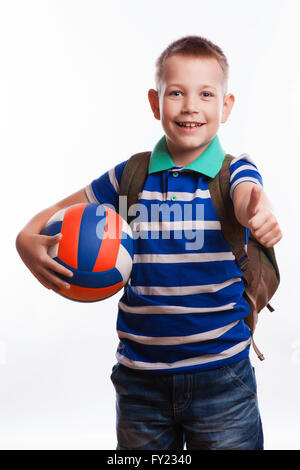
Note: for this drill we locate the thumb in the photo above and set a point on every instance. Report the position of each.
(254, 200)
(53, 239)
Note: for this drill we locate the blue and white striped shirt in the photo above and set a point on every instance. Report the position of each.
(183, 309)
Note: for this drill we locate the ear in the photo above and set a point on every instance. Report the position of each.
(228, 102)
(154, 102)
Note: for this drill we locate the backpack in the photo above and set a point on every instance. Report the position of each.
(258, 264)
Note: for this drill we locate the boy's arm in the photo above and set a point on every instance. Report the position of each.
(33, 247)
(37, 223)
(253, 210)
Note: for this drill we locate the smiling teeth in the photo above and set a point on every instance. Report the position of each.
(188, 124)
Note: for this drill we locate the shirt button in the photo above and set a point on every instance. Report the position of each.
(173, 198)
(175, 173)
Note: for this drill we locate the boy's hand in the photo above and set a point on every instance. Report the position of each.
(261, 219)
(33, 249)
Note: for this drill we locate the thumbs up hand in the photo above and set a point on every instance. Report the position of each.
(261, 219)
(255, 200)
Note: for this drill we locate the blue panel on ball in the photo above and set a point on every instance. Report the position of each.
(90, 279)
(52, 229)
(90, 236)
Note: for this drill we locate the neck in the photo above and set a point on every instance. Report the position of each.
(182, 157)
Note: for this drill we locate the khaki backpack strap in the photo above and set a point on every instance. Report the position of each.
(232, 230)
(259, 354)
(133, 179)
(131, 184)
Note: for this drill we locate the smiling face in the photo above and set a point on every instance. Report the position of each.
(191, 91)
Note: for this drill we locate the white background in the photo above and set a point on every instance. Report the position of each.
(73, 92)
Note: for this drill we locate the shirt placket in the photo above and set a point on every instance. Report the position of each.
(173, 176)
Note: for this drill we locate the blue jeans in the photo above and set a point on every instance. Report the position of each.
(207, 409)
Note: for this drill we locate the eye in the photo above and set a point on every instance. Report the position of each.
(175, 91)
(207, 94)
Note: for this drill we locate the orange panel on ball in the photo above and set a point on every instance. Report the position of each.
(68, 246)
(109, 249)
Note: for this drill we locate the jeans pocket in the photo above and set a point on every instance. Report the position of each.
(243, 375)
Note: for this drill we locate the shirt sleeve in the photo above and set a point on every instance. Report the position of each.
(243, 169)
(105, 189)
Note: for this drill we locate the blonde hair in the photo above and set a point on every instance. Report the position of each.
(196, 46)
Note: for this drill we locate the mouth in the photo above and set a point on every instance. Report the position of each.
(189, 126)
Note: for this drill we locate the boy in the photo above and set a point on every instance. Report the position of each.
(183, 374)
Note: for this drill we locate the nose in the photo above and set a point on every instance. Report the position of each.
(191, 105)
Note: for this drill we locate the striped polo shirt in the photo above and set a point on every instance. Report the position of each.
(183, 308)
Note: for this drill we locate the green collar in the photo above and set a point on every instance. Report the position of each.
(209, 163)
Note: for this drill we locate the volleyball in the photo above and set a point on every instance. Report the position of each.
(96, 245)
